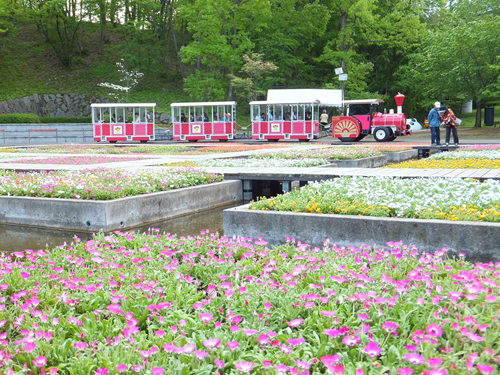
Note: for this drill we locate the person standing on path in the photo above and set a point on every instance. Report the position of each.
(434, 119)
(449, 122)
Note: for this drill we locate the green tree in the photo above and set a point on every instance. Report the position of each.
(8, 14)
(62, 27)
(255, 83)
(291, 38)
(459, 64)
(361, 23)
(221, 34)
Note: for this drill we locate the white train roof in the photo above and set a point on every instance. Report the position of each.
(121, 105)
(324, 97)
(364, 101)
(201, 104)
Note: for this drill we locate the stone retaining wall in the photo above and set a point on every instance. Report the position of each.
(70, 105)
(478, 240)
(92, 216)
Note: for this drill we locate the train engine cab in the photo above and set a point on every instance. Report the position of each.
(363, 118)
(204, 121)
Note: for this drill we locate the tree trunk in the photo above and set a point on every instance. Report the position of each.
(175, 40)
(102, 16)
(479, 106)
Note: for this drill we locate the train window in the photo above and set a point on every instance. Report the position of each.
(307, 112)
(295, 112)
(287, 112)
(255, 112)
(176, 113)
(278, 112)
(359, 109)
(315, 114)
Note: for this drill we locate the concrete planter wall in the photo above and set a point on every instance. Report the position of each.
(478, 240)
(398, 157)
(371, 162)
(117, 213)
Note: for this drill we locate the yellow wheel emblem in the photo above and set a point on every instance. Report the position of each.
(345, 128)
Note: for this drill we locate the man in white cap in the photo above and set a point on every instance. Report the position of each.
(434, 118)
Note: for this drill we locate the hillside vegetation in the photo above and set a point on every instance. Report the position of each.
(205, 50)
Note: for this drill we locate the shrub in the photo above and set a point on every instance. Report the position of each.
(66, 120)
(19, 118)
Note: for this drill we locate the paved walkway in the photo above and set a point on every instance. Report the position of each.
(304, 174)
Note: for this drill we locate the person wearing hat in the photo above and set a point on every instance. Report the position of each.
(434, 119)
(323, 120)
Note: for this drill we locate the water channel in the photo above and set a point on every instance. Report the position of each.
(18, 238)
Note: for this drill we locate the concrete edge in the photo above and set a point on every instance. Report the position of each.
(479, 240)
(122, 213)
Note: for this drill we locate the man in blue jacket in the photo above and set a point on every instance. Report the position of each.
(434, 118)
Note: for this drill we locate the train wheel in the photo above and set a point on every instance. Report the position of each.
(112, 141)
(273, 140)
(222, 140)
(144, 141)
(382, 134)
(192, 140)
(392, 138)
(304, 140)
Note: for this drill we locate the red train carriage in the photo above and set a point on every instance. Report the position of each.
(204, 120)
(114, 122)
(363, 119)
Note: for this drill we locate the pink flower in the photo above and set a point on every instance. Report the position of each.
(210, 343)
(363, 317)
(267, 305)
(188, 349)
(297, 341)
(329, 360)
(331, 332)
(372, 349)
(200, 354)
(232, 345)
(206, 317)
(121, 368)
(337, 370)
(434, 330)
(81, 345)
(266, 364)
(485, 369)
(351, 340)
(219, 363)
(405, 371)
(101, 371)
(29, 347)
(304, 365)
(389, 326)
(40, 361)
(295, 322)
(249, 332)
(434, 362)
(244, 366)
(414, 358)
(281, 369)
(160, 333)
(157, 371)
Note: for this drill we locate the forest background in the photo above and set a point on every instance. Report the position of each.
(204, 50)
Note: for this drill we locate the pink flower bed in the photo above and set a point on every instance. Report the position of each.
(77, 160)
(155, 304)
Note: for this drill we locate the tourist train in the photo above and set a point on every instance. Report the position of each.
(285, 115)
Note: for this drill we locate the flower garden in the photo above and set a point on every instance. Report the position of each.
(77, 160)
(147, 150)
(158, 304)
(423, 198)
(464, 158)
(100, 183)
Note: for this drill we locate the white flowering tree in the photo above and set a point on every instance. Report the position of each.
(129, 79)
